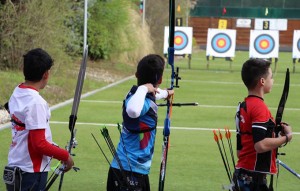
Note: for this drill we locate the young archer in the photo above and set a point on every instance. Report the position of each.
(136, 146)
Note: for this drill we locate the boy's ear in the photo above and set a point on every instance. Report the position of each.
(262, 81)
(46, 75)
(159, 81)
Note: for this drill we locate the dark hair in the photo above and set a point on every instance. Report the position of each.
(150, 69)
(254, 69)
(36, 63)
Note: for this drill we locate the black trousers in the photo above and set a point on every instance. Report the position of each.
(126, 181)
(25, 181)
(250, 181)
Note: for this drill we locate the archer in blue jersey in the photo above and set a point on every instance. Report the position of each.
(130, 169)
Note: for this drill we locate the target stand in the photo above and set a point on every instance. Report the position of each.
(209, 58)
(189, 56)
(274, 60)
(295, 60)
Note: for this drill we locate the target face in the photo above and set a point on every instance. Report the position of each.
(296, 44)
(182, 40)
(221, 42)
(264, 44)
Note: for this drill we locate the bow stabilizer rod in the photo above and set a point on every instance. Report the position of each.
(288, 168)
(179, 104)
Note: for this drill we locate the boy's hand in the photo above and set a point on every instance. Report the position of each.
(287, 130)
(151, 88)
(170, 93)
(68, 164)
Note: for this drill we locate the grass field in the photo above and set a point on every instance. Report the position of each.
(194, 162)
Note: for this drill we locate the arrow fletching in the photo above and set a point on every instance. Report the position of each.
(220, 134)
(215, 136)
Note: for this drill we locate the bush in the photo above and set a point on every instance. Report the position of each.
(31, 24)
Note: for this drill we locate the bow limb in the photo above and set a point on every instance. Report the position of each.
(279, 115)
(282, 102)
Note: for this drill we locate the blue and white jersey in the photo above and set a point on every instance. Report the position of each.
(136, 146)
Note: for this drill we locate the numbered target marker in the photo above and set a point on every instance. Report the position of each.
(264, 44)
(221, 43)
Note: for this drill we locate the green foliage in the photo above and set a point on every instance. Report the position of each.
(157, 17)
(107, 23)
(74, 21)
(31, 24)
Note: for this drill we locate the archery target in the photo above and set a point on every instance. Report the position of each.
(221, 43)
(296, 44)
(264, 44)
(182, 40)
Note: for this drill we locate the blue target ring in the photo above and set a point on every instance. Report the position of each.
(181, 40)
(264, 44)
(221, 43)
(298, 44)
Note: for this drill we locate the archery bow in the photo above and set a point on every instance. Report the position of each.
(174, 76)
(72, 120)
(73, 117)
(279, 114)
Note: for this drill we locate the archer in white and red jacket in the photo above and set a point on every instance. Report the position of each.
(32, 148)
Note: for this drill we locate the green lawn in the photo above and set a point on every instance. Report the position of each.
(194, 162)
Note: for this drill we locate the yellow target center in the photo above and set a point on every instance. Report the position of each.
(264, 44)
(221, 43)
(178, 40)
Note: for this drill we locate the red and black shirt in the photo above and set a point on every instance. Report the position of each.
(254, 122)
